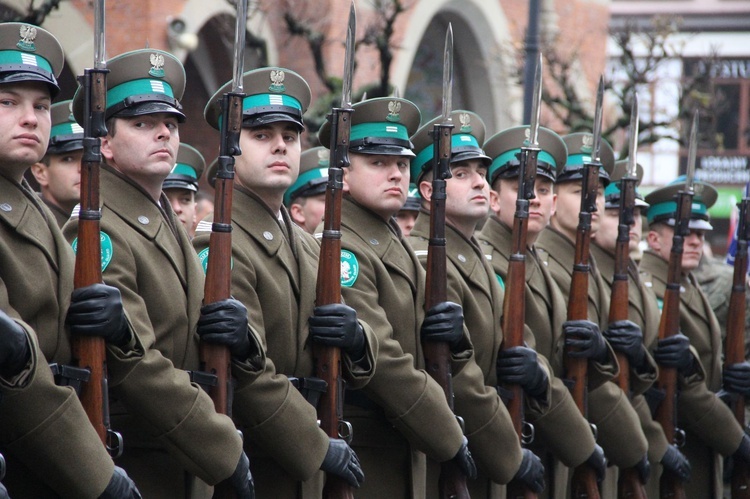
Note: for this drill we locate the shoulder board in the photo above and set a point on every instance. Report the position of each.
(203, 226)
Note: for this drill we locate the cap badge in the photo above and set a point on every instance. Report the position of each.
(698, 189)
(394, 108)
(465, 121)
(157, 66)
(527, 133)
(28, 35)
(277, 81)
(587, 143)
(323, 156)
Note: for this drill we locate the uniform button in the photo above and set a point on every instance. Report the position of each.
(374, 242)
(268, 236)
(143, 219)
(5, 207)
(461, 258)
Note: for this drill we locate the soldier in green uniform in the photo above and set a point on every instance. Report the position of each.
(696, 352)
(545, 306)
(275, 266)
(471, 284)
(643, 311)
(401, 414)
(305, 199)
(59, 172)
(176, 442)
(51, 447)
(181, 185)
(407, 215)
(619, 429)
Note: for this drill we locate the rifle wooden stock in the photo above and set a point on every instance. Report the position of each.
(328, 290)
(629, 483)
(735, 341)
(437, 355)
(670, 485)
(215, 359)
(514, 302)
(584, 483)
(90, 352)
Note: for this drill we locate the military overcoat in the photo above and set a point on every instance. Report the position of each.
(492, 439)
(42, 426)
(620, 433)
(168, 423)
(401, 414)
(274, 273)
(709, 424)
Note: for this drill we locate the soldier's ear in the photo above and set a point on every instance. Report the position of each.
(425, 190)
(106, 148)
(39, 170)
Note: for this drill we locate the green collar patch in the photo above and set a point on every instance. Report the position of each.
(349, 269)
(107, 249)
(500, 281)
(203, 257)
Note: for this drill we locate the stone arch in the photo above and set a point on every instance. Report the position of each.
(483, 66)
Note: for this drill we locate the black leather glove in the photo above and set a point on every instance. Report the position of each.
(241, 480)
(96, 310)
(464, 460)
(626, 337)
(531, 472)
(743, 452)
(643, 467)
(224, 322)
(585, 339)
(15, 352)
(675, 352)
(598, 463)
(736, 378)
(676, 462)
(343, 462)
(444, 322)
(519, 366)
(336, 325)
(120, 486)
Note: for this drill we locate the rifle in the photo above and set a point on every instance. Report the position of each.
(666, 413)
(437, 356)
(584, 483)
(629, 484)
(735, 342)
(89, 351)
(328, 289)
(514, 303)
(215, 359)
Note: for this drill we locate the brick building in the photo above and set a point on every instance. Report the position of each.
(488, 36)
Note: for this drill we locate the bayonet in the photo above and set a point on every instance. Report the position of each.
(692, 149)
(100, 53)
(448, 75)
(536, 105)
(240, 29)
(351, 30)
(598, 121)
(633, 139)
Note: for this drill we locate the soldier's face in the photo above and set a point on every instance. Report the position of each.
(660, 241)
(183, 205)
(308, 212)
(61, 179)
(609, 224)
(467, 193)
(143, 148)
(24, 126)
(378, 182)
(541, 207)
(568, 208)
(269, 163)
(406, 219)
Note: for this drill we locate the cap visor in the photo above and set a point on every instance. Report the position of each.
(150, 108)
(385, 150)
